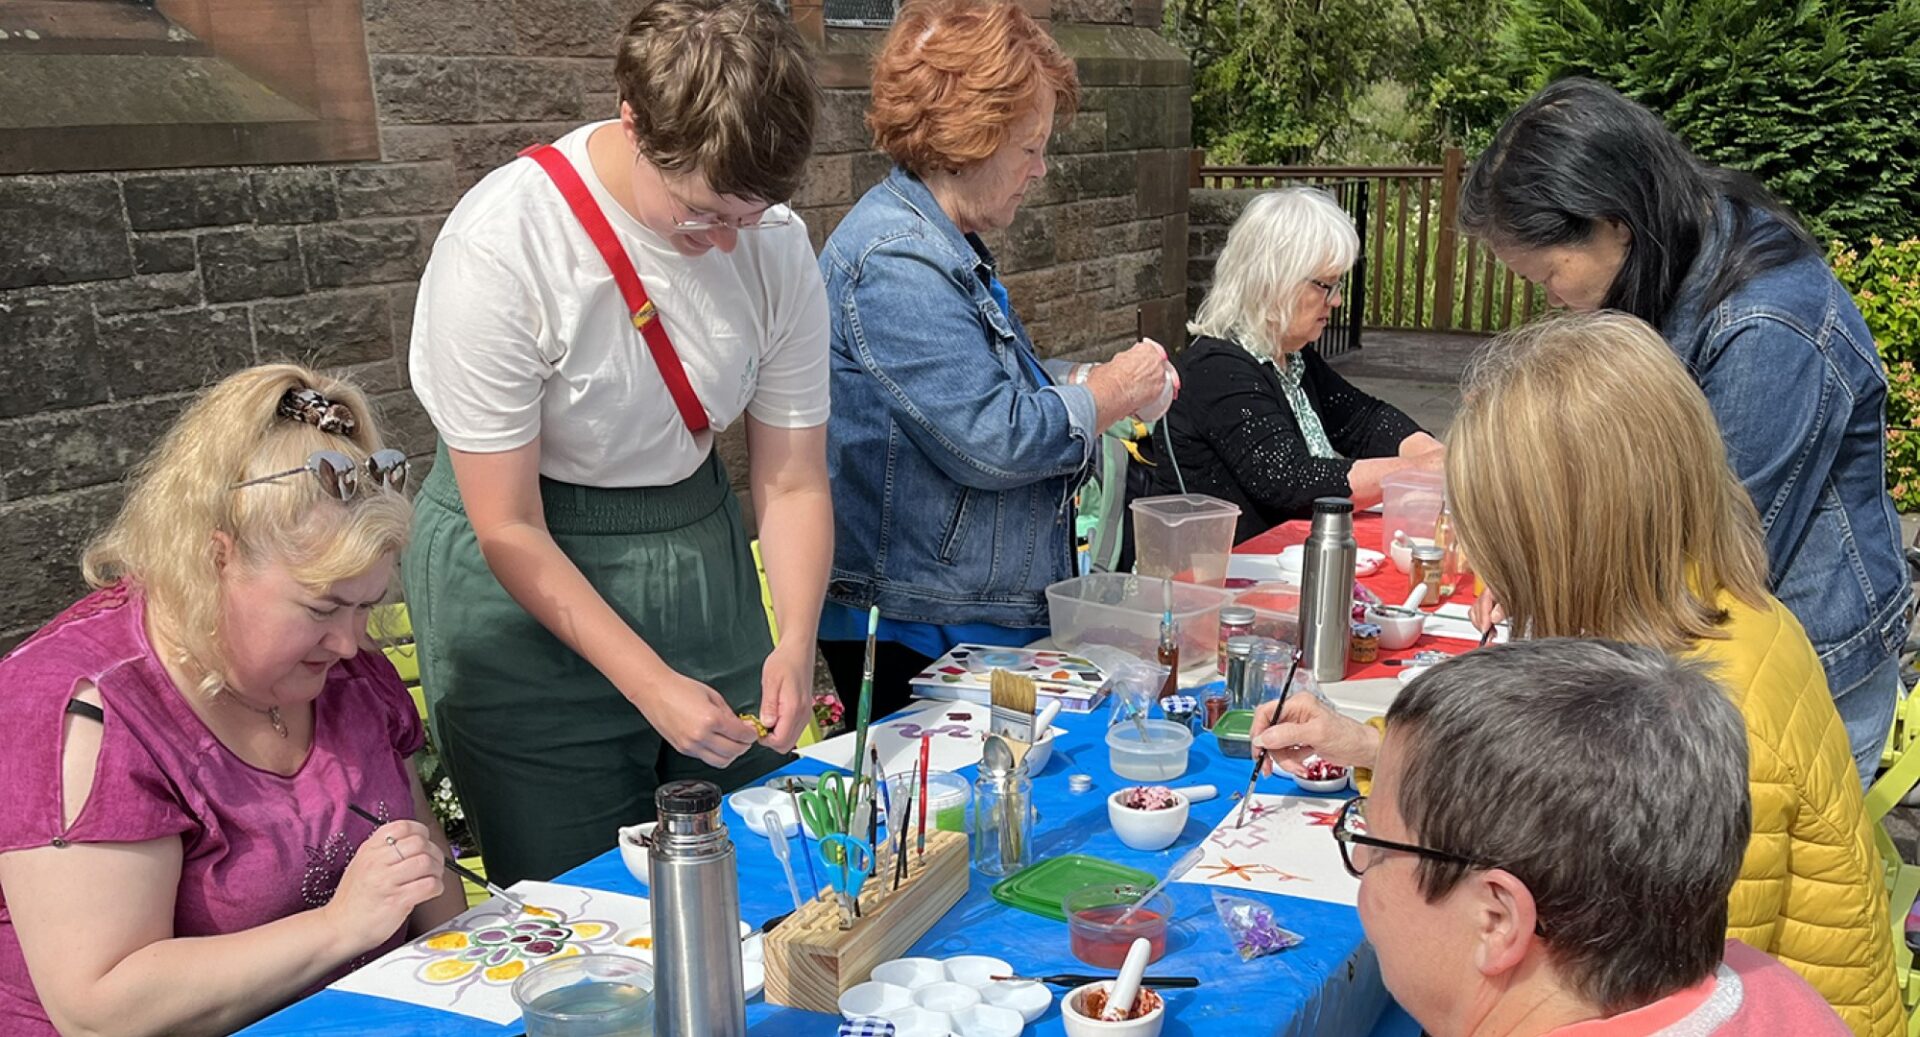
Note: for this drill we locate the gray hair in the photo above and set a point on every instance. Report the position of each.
(1281, 239)
(1609, 778)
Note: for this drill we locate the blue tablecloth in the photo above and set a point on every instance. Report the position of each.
(1327, 987)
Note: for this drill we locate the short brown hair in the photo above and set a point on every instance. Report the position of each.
(723, 88)
(953, 77)
(1592, 487)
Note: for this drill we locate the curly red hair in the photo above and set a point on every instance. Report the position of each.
(955, 75)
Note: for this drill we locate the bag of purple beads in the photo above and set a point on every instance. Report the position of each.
(1250, 923)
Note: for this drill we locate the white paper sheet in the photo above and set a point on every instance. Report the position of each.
(1286, 847)
(469, 965)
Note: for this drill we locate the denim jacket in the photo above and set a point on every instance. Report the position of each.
(952, 454)
(1790, 371)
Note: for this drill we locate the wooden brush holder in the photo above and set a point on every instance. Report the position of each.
(811, 961)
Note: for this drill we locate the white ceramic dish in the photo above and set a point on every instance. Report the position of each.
(1401, 550)
(1079, 1024)
(1408, 673)
(913, 1021)
(753, 803)
(1041, 752)
(633, 850)
(1338, 784)
(1147, 829)
(1397, 631)
(1366, 562)
(959, 990)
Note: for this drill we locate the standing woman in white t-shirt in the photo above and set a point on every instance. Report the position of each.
(580, 578)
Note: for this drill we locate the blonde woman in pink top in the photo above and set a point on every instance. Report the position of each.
(177, 854)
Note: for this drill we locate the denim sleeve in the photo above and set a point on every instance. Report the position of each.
(915, 330)
(1782, 410)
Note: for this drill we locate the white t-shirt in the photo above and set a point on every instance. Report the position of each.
(520, 331)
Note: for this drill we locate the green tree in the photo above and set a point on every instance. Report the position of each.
(1815, 98)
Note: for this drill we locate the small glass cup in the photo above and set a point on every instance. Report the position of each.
(588, 995)
(1099, 938)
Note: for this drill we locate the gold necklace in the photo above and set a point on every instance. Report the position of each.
(272, 713)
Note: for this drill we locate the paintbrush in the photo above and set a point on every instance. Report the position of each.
(1014, 698)
(926, 746)
(1260, 758)
(1075, 979)
(900, 840)
(458, 869)
(886, 806)
(866, 697)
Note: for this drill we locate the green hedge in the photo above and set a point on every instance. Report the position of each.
(1884, 278)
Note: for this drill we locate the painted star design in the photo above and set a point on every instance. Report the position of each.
(1321, 818)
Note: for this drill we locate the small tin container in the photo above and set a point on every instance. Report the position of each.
(1235, 621)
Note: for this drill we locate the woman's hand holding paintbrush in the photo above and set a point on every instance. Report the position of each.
(1308, 726)
(394, 871)
(404, 851)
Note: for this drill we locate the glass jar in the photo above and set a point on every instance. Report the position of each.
(1239, 651)
(1235, 621)
(1002, 821)
(1427, 564)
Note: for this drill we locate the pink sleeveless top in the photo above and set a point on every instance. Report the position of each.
(256, 846)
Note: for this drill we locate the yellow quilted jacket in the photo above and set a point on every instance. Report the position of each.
(1810, 891)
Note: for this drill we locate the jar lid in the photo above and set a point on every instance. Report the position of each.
(1236, 615)
(1241, 644)
(1428, 553)
(1366, 630)
(1332, 506)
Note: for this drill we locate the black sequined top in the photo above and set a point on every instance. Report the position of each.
(1235, 437)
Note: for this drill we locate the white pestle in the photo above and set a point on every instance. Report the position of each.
(1419, 595)
(1126, 986)
(1045, 720)
(1197, 793)
(1180, 867)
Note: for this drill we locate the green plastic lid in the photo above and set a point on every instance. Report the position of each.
(1234, 723)
(1042, 888)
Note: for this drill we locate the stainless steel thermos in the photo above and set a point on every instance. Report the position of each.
(694, 892)
(1326, 589)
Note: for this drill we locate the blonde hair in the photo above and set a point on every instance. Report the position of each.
(1591, 487)
(184, 492)
(1281, 240)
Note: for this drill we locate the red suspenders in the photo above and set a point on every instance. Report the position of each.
(567, 179)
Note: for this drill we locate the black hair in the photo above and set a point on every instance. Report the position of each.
(1578, 152)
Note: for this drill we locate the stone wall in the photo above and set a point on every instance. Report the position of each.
(1209, 215)
(122, 293)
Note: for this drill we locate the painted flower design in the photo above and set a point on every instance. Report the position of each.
(498, 948)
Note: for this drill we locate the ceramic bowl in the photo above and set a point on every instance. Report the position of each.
(912, 973)
(874, 998)
(1338, 784)
(1031, 1000)
(1080, 1024)
(988, 1021)
(1408, 673)
(1400, 549)
(1041, 752)
(1397, 631)
(1147, 829)
(753, 803)
(633, 852)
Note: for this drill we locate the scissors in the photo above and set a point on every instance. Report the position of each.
(827, 809)
(848, 873)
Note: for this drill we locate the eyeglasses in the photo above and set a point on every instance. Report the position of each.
(1350, 830)
(697, 222)
(1336, 288)
(339, 476)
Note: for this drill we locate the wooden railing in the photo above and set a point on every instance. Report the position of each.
(1421, 271)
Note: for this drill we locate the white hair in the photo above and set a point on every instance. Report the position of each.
(1281, 240)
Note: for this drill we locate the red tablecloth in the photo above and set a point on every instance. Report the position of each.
(1388, 582)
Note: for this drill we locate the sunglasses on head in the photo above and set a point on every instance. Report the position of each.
(339, 476)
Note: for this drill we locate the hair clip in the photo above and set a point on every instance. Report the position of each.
(310, 407)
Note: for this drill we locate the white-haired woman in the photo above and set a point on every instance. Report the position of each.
(1261, 420)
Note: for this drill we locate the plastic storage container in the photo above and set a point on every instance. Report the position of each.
(1411, 501)
(947, 796)
(1235, 733)
(1276, 610)
(1161, 757)
(1099, 937)
(1187, 538)
(1120, 610)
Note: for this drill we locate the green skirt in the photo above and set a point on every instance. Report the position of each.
(548, 758)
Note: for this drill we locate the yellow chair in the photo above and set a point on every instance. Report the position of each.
(1902, 878)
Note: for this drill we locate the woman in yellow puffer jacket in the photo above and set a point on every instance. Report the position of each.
(1592, 493)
